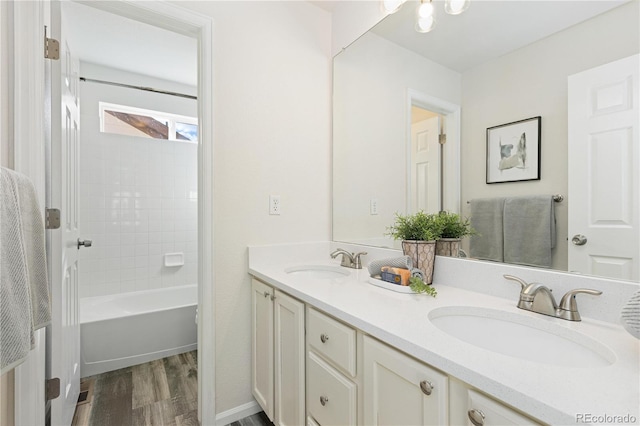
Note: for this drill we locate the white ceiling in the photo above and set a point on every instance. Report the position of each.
(458, 42)
(488, 29)
(107, 39)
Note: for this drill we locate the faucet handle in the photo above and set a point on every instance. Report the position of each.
(568, 301)
(520, 281)
(357, 263)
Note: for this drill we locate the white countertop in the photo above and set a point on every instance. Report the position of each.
(550, 393)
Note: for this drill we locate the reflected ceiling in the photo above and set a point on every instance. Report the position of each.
(464, 41)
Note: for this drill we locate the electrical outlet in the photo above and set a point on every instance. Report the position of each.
(274, 205)
(373, 206)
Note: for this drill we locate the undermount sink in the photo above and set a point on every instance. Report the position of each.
(523, 337)
(326, 272)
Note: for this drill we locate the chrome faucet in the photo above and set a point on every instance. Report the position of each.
(349, 260)
(536, 297)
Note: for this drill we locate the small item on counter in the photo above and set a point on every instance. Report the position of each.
(630, 315)
(395, 275)
(375, 266)
(419, 286)
(415, 272)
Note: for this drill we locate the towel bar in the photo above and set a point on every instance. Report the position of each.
(558, 198)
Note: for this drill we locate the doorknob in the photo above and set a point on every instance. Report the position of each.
(85, 243)
(579, 240)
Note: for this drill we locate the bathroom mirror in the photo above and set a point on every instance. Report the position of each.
(498, 62)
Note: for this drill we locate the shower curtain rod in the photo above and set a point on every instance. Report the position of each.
(146, 89)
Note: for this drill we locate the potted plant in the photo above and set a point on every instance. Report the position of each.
(452, 229)
(418, 233)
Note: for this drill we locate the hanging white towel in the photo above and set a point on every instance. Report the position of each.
(24, 288)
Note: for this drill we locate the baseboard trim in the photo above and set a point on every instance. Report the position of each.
(237, 413)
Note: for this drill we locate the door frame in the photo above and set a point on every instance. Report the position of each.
(180, 20)
(29, 107)
(450, 166)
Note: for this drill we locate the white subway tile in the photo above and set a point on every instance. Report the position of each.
(128, 274)
(142, 249)
(127, 239)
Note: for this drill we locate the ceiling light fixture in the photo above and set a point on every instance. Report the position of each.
(425, 21)
(456, 7)
(392, 6)
(425, 17)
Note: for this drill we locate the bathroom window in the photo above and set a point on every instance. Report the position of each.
(131, 121)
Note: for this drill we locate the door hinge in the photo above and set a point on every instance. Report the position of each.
(52, 218)
(51, 388)
(51, 47)
(442, 139)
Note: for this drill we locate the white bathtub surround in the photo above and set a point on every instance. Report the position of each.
(138, 196)
(547, 392)
(127, 329)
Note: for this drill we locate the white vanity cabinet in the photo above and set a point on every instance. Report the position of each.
(278, 354)
(401, 390)
(332, 392)
(338, 375)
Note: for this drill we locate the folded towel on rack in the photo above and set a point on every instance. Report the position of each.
(486, 219)
(529, 230)
(24, 299)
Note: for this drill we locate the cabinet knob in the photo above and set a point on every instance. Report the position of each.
(426, 387)
(476, 417)
(324, 337)
(324, 400)
(266, 294)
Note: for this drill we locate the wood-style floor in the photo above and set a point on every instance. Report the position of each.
(161, 392)
(259, 419)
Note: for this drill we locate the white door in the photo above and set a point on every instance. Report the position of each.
(604, 164)
(262, 346)
(398, 390)
(289, 360)
(425, 165)
(65, 328)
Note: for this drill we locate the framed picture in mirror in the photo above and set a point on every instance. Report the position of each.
(513, 151)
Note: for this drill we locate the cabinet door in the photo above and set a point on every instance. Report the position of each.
(262, 346)
(289, 360)
(398, 390)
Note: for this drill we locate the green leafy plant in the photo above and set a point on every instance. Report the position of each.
(419, 286)
(451, 225)
(419, 226)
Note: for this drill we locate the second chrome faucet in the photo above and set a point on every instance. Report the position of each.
(536, 297)
(349, 260)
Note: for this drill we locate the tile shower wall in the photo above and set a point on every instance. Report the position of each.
(138, 202)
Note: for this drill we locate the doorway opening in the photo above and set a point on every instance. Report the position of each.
(433, 153)
(425, 182)
(153, 220)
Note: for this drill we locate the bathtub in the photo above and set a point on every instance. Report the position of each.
(122, 330)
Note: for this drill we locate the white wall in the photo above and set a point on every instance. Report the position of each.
(138, 196)
(351, 19)
(371, 120)
(6, 89)
(530, 82)
(272, 76)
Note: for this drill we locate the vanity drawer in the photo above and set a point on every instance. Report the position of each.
(331, 397)
(486, 411)
(333, 340)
